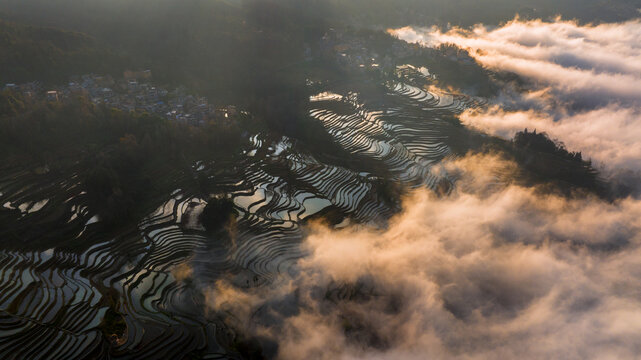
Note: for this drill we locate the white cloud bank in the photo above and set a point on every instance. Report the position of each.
(487, 273)
(601, 62)
(610, 136)
(587, 76)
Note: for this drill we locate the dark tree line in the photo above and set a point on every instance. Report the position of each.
(30, 53)
(541, 142)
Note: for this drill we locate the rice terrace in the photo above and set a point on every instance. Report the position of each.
(320, 179)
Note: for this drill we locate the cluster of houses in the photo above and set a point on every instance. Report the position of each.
(354, 52)
(28, 90)
(134, 92)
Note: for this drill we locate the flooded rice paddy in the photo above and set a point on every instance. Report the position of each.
(55, 296)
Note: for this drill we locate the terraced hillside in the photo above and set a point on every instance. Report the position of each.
(62, 302)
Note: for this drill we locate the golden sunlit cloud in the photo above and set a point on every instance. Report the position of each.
(495, 271)
(592, 61)
(586, 83)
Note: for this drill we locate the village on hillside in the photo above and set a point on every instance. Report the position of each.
(133, 92)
